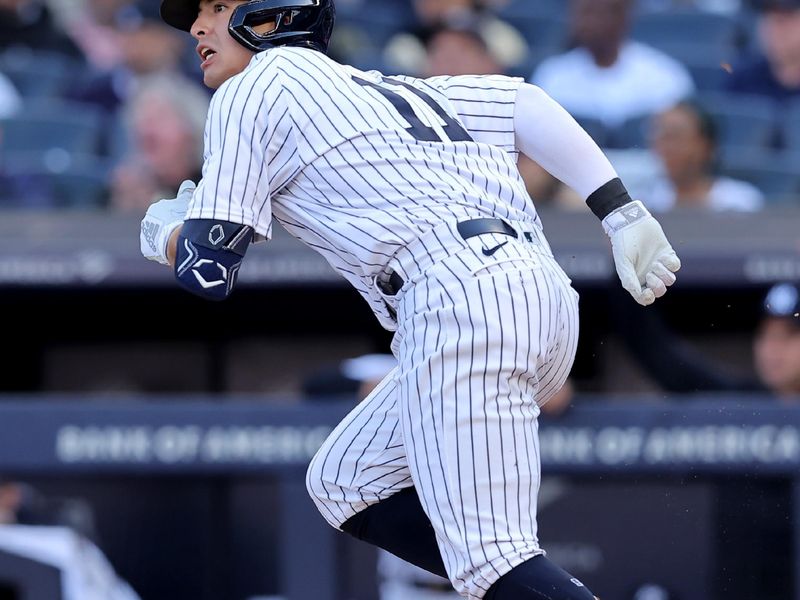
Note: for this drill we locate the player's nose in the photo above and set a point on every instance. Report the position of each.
(199, 27)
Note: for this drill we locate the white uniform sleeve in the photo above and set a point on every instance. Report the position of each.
(249, 149)
(547, 134)
(484, 104)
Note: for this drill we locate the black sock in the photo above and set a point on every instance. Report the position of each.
(400, 526)
(538, 579)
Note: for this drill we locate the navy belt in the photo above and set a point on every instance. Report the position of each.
(473, 227)
(443, 587)
(466, 230)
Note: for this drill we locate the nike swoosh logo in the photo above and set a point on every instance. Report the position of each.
(490, 251)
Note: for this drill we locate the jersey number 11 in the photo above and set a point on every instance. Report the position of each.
(453, 131)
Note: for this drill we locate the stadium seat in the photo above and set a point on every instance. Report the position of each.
(79, 188)
(378, 21)
(633, 133)
(708, 75)
(663, 30)
(39, 74)
(58, 179)
(742, 120)
(516, 9)
(46, 125)
(790, 127)
(777, 175)
(527, 67)
(596, 129)
(544, 33)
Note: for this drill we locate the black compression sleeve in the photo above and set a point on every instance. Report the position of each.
(399, 525)
(608, 197)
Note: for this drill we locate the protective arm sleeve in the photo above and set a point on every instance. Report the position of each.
(547, 134)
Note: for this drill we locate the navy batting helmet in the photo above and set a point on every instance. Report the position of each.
(297, 22)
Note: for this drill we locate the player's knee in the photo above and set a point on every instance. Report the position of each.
(320, 492)
(314, 484)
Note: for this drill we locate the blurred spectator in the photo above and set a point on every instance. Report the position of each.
(546, 190)
(10, 502)
(684, 138)
(29, 24)
(21, 504)
(540, 184)
(148, 45)
(57, 532)
(607, 76)
(677, 367)
(776, 346)
(679, 171)
(406, 52)
(775, 72)
(10, 101)
(459, 50)
(93, 29)
(165, 122)
(430, 12)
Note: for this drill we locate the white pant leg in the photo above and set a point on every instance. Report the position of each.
(363, 460)
(482, 345)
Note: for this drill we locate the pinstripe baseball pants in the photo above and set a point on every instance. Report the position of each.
(487, 332)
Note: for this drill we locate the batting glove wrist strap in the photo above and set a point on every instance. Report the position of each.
(625, 216)
(643, 257)
(161, 219)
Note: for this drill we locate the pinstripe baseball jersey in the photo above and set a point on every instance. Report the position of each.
(413, 179)
(357, 165)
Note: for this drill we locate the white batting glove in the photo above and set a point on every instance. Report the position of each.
(161, 219)
(645, 261)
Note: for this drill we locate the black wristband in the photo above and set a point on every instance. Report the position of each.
(608, 197)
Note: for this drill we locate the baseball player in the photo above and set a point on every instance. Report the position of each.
(409, 188)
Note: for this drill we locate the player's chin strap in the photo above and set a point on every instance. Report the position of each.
(209, 255)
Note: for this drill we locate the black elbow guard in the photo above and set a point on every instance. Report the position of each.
(209, 255)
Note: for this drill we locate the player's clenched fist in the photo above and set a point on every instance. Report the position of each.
(161, 219)
(645, 261)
